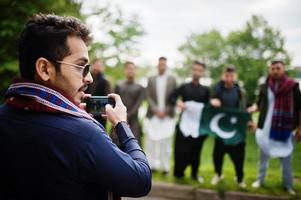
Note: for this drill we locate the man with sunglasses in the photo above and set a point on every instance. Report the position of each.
(50, 147)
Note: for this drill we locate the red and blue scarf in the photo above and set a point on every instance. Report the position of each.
(38, 98)
(283, 112)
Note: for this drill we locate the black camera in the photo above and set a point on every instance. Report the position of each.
(96, 105)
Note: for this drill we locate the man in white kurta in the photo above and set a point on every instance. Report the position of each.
(159, 125)
(279, 106)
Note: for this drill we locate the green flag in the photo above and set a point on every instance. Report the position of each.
(226, 123)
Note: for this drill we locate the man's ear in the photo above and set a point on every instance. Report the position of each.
(44, 69)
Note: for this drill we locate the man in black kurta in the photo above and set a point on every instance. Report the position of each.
(100, 86)
(187, 149)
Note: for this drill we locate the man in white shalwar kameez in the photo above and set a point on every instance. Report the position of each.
(279, 106)
(159, 125)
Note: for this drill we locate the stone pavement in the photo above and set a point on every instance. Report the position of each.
(165, 191)
(147, 198)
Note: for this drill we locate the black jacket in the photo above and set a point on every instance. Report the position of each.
(219, 88)
(59, 156)
(262, 104)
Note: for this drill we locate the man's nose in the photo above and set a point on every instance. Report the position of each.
(88, 79)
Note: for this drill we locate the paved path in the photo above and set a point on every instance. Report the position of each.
(165, 191)
(146, 198)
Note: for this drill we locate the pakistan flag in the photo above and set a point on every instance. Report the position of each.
(226, 123)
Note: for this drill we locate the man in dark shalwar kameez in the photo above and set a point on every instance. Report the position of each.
(132, 94)
(100, 86)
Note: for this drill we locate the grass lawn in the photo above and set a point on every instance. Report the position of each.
(273, 183)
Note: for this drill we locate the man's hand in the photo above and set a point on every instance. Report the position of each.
(252, 126)
(252, 109)
(181, 105)
(161, 114)
(83, 105)
(118, 113)
(215, 102)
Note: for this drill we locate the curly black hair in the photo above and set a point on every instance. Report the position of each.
(45, 35)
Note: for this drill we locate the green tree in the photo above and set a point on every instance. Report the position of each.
(119, 33)
(207, 47)
(119, 37)
(14, 14)
(249, 49)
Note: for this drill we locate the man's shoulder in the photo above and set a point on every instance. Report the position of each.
(263, 86)
(138, 85)
(205, 87)
(172, 77)
(296, 88)
(152, 78)
(120, 83)
(101, 79)
(63, 123)
(185, 84)
(80, 127)
(123, 84)
(171, 81)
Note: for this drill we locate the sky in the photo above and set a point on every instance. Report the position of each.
(169, 22)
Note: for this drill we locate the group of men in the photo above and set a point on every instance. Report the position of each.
(51, 148)
(275, 127)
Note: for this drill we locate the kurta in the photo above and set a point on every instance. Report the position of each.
(132, 95)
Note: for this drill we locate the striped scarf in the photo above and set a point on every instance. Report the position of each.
(39, 98)
(283, 113)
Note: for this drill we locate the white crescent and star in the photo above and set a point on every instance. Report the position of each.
(215, 128)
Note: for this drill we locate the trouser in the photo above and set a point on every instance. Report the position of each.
(236, 153)
(187, 152)
(158, 153)
(287, 175)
